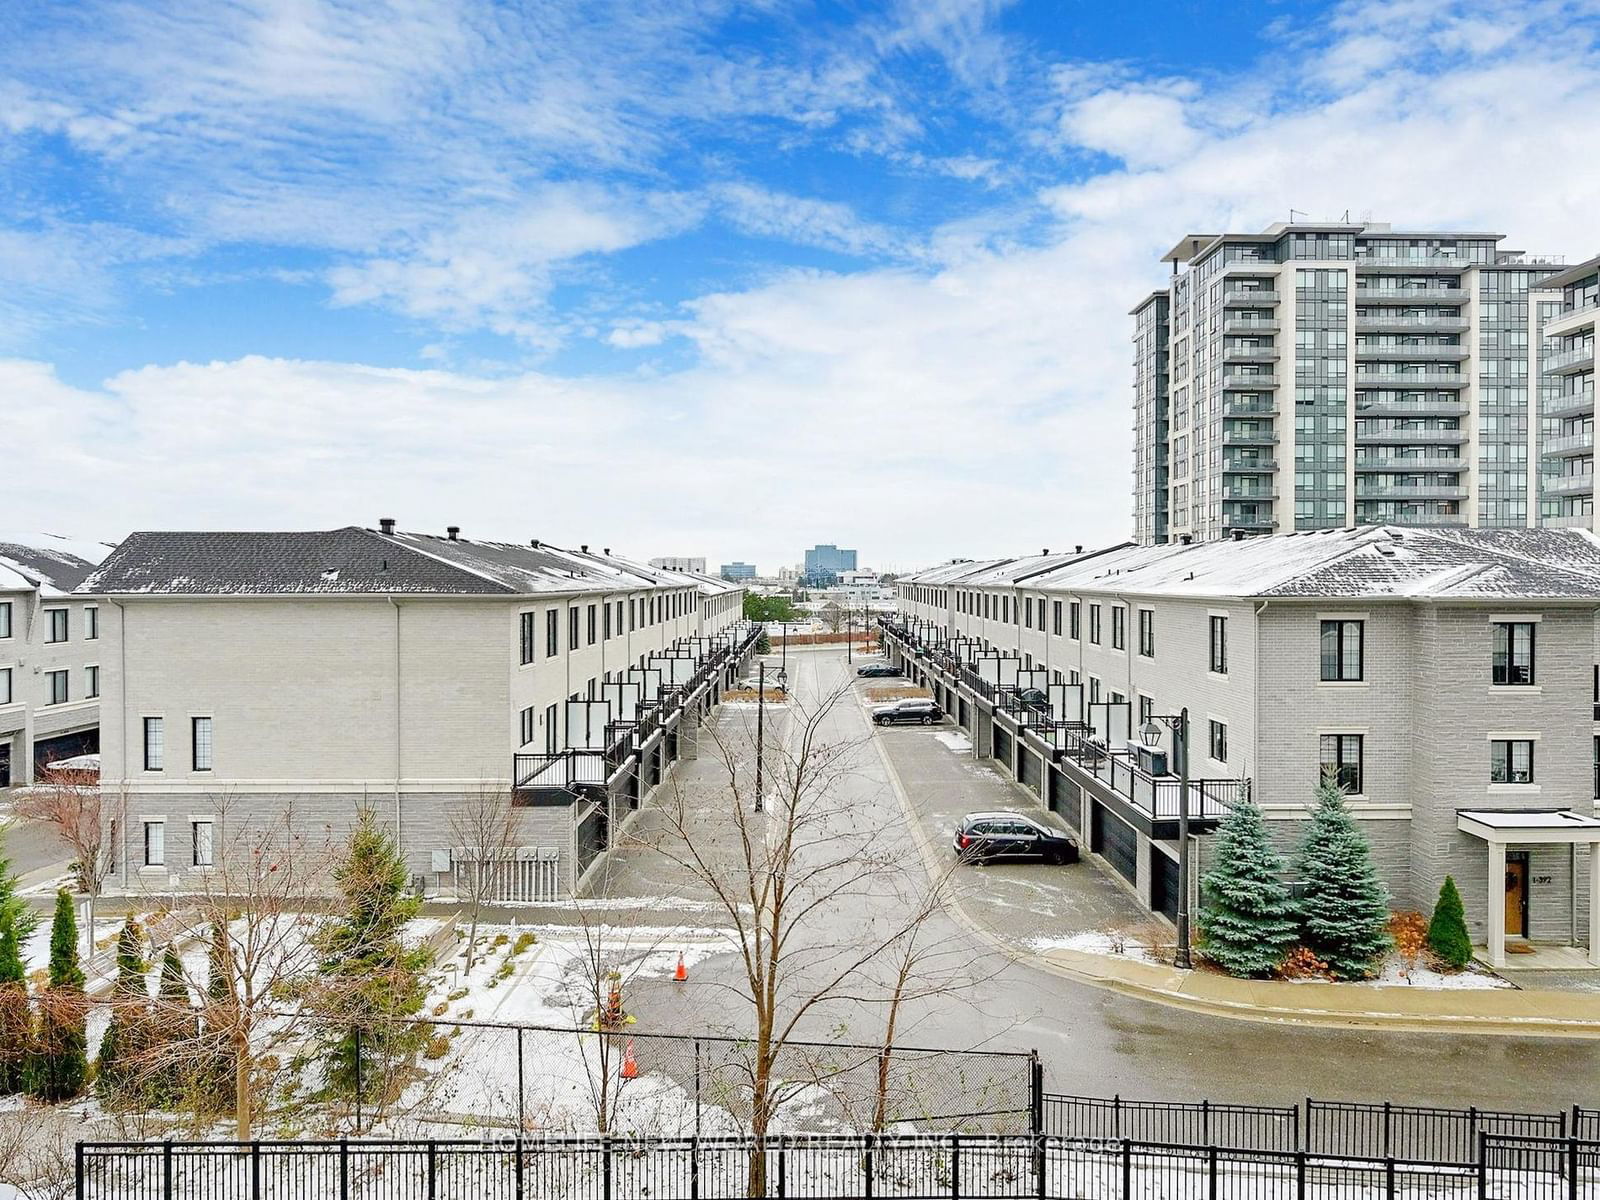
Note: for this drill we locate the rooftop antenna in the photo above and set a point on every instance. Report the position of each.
(1292, 212)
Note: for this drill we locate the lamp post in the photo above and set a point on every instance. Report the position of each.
(761, 712)
(849, 630)
(1150, 734)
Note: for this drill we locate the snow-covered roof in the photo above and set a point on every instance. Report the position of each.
(1371, 561)
(354, 561)
(48, 562)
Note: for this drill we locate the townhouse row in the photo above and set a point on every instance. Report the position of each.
(253, 679)
(1446, 678)
(51, 655)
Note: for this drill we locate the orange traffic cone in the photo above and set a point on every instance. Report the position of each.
(682, 972)
(630, 1068)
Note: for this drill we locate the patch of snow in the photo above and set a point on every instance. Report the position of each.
(1095, 942)
(958, 742)
(1424, 977)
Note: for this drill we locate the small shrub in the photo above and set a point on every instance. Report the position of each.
(467, 1016)
(500, 939)
(1410, 934)
(1301, 963)
(1447, 932)
(438, 1046)
(524, 940)
(440, 1009)
(458, 994)
(503, 973)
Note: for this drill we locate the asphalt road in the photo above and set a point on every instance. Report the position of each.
(1091, 1041)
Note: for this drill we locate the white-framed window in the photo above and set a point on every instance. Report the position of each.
(155, 843)
(200, 742)
(55, 625)
(91, 682)
(5, 685)
(1219, 742)
(526, 732)
(58, 686)
(155, 745)
(91, 623)
(1511, 760)
(200, 834)
(5, 618)
(1219, 645)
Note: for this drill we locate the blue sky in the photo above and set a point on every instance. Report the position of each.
(701, 278)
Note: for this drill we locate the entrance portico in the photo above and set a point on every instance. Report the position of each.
(1502, 829)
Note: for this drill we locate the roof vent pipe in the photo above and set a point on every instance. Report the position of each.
(534, 542)
(584, 548)
(386, 524)
(1185, 538)
(606, 552)
(1077, 549)
(454, 531)
(1045, 553)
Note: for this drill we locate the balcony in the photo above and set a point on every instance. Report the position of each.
(1151, 800)
(1392, 463)
(1454, 406)
(1233, 407)
(1417, 352)
(1249, 466)
(1249, 383)
(560, 778)
(1411, 491)
(1569, 404)
(1570, 320)
(1374, 322)
(1412, 437)
(1568, 362)
(1249, 354)
(1569, 485)
(1249, 297)
(1249, 522)
(1250, 325)
(1230, 492)
(1570, 445)
(1445, 295)
(1411, 379)
(1414, 266)
(1570, 521)
(1249, 437)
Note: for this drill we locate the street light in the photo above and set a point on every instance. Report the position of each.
(761, 712)
(1150, 734)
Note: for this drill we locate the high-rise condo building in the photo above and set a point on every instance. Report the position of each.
(1566, 396)
(1321, 376)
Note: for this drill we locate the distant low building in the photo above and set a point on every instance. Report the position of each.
(672, 563)
(825, 562)
(738, 570)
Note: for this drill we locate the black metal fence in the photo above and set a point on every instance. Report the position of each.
(1199, 1123)
(1447, 1135)
(839, 1168)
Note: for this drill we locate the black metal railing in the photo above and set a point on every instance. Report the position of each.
(1156, 795)
(1199, 1122)
(565, 770)
(1585, 1123)
(838, 1167)
(1417, 1133)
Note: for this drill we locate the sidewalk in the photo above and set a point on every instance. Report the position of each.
(1021, 909)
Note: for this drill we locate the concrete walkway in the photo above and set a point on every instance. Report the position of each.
(1019, 909)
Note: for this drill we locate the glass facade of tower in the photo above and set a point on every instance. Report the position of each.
(1151, 482)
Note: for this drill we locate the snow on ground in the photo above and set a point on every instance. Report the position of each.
(1094, 942)
(1424, 977)
(958, 742)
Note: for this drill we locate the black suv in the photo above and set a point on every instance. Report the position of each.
(987, 836)
(907, 712)
(878, 671)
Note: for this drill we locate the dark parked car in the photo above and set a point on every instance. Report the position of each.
(907, 712)
(987, 836)
(878, 671)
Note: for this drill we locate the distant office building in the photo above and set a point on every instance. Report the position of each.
(825, 562)
(671, 563)
(738, 570)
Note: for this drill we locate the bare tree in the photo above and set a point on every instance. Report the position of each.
(71, 803)
(484, 831)
(814, 898)
(833, 616)
(256, 912)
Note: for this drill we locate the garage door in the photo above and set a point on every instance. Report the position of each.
(1163, 884)
(1065, 797)
(965, 717)
(1117, 842)
(1002, 748)
(1032, 775)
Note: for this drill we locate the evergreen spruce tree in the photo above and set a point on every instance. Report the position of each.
(16, 1022)
(170, 1080)
(120, 1060)
(1247, 919)
(219, 1065)
(371, 981)
(12, 906)
(1447, 931)
(1344, 910)
(58, 1064)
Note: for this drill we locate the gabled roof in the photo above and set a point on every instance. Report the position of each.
(355, 561)
(52, 564)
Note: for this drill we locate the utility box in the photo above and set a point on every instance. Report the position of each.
(1152, 760)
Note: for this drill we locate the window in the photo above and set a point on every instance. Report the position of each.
(551, 733)
(591, 625)
(1342, 653)
(1147, 710)
(1075, 614)
(5, 685)
(200, 841)
(5, 618)
(1513, 653)
(572, 628)
(1147, 632)
(1511, 761)
(1219, 645)
(1219, 741)
(1341, 760)
(1055, 617)
(1094, 690)
(56, 631)
(91, 682)
(200, 742)
(606, 632)
(155, 843)
(552, 633)
(1094, 624)
(527, 726)
(1119, 627)
(1027, 604)
(57, 681)
(154, 743)
(527, 637)
(91, 624)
